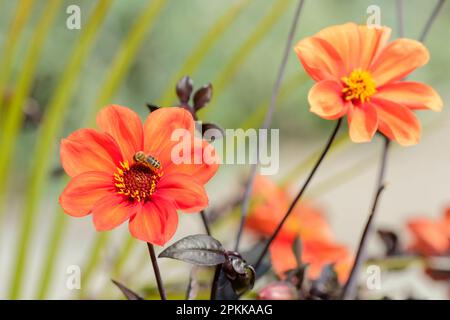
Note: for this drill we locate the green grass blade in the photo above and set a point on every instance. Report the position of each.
(14, 114)
(223, 79)
(202, 49)
(114, 78)
(51, 124)
(24, 8)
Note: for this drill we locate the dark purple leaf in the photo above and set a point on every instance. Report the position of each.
(200, 249)
(128, 293)
(152, 107)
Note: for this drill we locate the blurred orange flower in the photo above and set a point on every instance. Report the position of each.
(431, 237)
(358, 74)
(269, 204)
(124, 172)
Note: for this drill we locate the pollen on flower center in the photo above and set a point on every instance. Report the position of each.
(136, 181)
(358, 86)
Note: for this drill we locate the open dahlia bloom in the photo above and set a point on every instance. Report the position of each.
(431, 237)
(269, 204)
(358, 73)
(124, 172)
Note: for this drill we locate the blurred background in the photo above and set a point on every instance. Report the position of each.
(54, 79)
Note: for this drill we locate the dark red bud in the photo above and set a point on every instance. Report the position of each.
(202, 96)
(184, 89)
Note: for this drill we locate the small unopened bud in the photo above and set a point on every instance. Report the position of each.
(240, 274)
(280, 290)
(184, 89)
(202, 96)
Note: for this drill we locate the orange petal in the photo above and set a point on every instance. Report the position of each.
(446, 223)
(320, 60)
(429, 237)
(397, 60)
(125, 126)
(414, 95)
(267, 189)
(158, 130)
(83, 191)
(343, 268)
(397, 122)
(282, 257)
(269, 203)
(111, 211)
(202, 164)
(313, 225)
(325, 100)
(321, 253)
(362, 122)
(155, 222)
(345, 40)
(372, 43)
(89, 150)
(185, 192)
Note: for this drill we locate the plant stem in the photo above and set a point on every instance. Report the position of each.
(267, 121)
(205, 222)
(300, 193)
(348, 291)
(215, 281)
(162, 291)
(430, 20)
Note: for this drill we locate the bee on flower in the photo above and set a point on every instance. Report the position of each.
(124, 172)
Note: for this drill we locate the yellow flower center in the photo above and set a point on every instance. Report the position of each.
(358, 86)
(138, 181)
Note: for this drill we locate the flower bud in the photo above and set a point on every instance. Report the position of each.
(280, 290)
(184, 89)
(202, 96)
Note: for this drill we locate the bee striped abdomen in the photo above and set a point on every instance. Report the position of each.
(153, 162)
(148, 161)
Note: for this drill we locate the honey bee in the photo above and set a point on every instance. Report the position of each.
(140, 156)
(153, 162)
(149, 161)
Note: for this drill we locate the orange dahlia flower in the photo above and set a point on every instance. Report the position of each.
(124, 172)
(358, 73)
(319, 249)
(431, 237)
